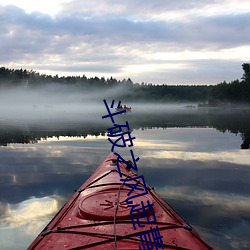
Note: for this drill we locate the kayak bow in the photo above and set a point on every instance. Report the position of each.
(98, 216)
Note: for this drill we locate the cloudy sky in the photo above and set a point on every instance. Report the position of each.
(157, 41)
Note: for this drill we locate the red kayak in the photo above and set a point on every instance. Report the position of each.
(116, 209)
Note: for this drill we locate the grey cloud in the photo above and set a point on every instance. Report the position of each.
(134, 8)
(220, 31)
(98, 40)
(217, 31)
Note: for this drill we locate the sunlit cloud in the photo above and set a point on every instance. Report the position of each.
(175, 42)
(46, 6)
(188, 56)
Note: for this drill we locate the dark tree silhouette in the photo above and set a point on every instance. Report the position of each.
(246, 69)
(220, 94)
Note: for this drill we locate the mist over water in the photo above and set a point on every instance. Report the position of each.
(191, 156)
(59, 107)
(55, 102)
(60, 102)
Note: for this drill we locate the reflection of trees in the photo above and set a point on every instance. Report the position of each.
(20, 135)
(237, 122)
(16, 137)
(246, 141)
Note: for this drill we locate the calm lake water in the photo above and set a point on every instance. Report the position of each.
(197, 160)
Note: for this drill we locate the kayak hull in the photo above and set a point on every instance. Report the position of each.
(98, 215)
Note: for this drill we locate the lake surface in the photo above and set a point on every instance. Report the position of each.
(197, 160)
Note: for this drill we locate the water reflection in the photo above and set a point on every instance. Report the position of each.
(195, 164)
(20, 222)
(233, 121)
(29, 210)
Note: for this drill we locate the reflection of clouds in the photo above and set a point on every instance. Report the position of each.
(2, 209)
(25, 220)
(71, 139)
(228, 203)
(227, 240)
(56, 157)
(46, 168)
(29, 212)
(237, 156)
(222, 219)
(188, 139)
(147, 144)
(202, 144)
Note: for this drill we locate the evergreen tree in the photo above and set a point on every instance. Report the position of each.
(246, 69)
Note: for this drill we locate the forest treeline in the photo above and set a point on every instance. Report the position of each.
(236, 91)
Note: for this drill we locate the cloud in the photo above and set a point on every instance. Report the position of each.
(122, 30)
(150, 9)
(95, 38)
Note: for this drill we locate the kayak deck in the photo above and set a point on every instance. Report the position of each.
(99, 216)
